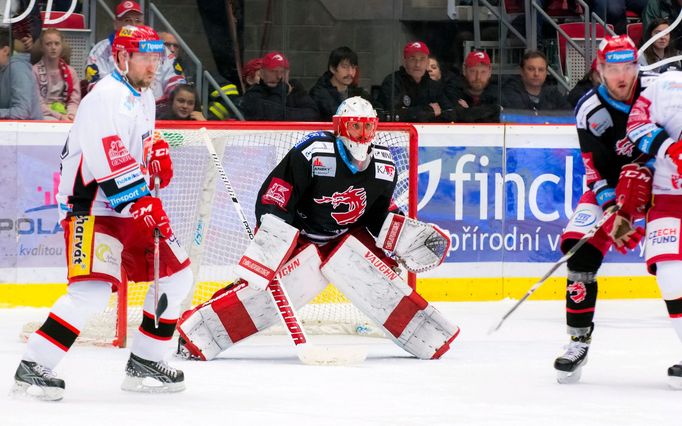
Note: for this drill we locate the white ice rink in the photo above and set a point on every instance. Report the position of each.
(504, 379)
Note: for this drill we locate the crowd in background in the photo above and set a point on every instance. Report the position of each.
(37, 82)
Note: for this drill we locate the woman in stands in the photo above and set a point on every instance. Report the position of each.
(660, 49)
(182, 105)
(58, 83)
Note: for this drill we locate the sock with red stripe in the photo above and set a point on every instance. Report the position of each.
(48, 345)
(581, 299)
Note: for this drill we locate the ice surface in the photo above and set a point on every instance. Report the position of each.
(501, 379)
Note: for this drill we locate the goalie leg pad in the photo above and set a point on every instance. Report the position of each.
(241, 311)
(272, 245)
(382, 295)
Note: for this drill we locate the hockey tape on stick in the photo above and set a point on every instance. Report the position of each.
(306, 352)
(607, 215)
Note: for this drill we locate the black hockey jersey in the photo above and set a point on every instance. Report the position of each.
(316, 189)
(601, 122)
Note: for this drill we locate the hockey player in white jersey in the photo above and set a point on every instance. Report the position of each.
(324, 216)
(655, 126)
(100, 60)
(109, 218)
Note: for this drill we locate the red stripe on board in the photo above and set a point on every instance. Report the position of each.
(401, 315)
(51, 340)
(579, 311)
(65, 324)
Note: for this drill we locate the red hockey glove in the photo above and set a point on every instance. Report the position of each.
(148, 214)
(160, 163)
(675, 153)
(633, 191)
(621, 231)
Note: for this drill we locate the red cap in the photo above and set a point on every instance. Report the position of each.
(252, 66)
(274, 60)
(127, 6)
(415, 47)
(476, 58)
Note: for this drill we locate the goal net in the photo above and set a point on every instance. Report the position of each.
(204, 220)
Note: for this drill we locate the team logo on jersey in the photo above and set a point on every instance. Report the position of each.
(117, 154)
(324, 166)
(625, 147)
(278, 193)
(354, 198)
(384, 171)
(577, 291)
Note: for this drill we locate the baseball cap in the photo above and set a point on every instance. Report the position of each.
(274, 60)
(127, 6)
(476, 58)
(415, 47)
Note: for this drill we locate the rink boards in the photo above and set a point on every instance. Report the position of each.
(503, 192)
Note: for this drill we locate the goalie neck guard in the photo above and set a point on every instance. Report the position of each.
(355, 123)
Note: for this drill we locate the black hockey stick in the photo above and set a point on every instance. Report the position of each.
(607, 215)
(160, 302)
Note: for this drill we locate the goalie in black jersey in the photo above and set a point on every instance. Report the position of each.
(324, 216)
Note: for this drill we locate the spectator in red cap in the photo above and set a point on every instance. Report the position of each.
(590, 80)
(251, 72)
(276, 97)
(101, 60)
(475, 97)
(409, 94)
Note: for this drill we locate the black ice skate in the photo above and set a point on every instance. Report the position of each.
(569, 365)
(149, 376)
(35, 381)
(675, 376)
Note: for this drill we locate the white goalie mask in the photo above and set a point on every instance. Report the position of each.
(355, 123)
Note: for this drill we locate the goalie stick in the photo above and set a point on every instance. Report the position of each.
(307, 353)
(608, 214)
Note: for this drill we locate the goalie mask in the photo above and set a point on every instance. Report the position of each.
(355, 123)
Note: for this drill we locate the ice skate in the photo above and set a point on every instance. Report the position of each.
(35, 381)
(675, 376)
(154, 377)
(569, 365)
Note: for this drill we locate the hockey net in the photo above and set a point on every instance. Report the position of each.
(204, 220)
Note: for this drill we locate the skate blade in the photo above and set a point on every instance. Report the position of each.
(675, 382)
(42, 393)
(150, 385)
(568, 377)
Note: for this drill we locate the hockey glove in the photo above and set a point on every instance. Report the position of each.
(675, 153)
(160, 163)
(149, 215)
(622, 233)
(633, 191)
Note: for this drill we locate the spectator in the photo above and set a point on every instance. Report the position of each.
(251, 72)
(183, 105)
(337, 83)
(660, 49)
(475, 96)
(409, 94)
(19, 98)
(590, 80)
(101, 61)
(276, 97)
(182, 63)
(218, 109)
(434, 68)
(614, 12)
(664, 9)
(529, 91)
(58, 84)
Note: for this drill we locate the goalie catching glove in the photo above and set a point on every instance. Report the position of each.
(418, 246)
(160, 163)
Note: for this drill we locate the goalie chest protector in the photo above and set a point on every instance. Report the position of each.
(316, 189)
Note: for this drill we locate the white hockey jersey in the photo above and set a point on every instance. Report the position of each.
(655, 123)
(101, 63)
(103, 167)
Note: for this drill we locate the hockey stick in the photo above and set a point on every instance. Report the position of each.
(160, 303)
(607, 215)
(307, 353)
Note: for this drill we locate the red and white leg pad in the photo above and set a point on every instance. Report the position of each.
(381, 294)
(239, 311)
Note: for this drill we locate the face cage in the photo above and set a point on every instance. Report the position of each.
(363, 134)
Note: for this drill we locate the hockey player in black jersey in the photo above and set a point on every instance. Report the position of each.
(601, 119)
(323, 216)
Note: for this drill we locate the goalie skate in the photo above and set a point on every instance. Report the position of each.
(35, 381)
(675, 376)
(569, 365)
(154, 377)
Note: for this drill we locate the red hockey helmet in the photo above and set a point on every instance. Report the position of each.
(355, 122)
(617, 49)
(136, 39)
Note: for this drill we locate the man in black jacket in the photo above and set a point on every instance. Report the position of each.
(337, 83)
(475, 97)
(409, 94)
(276, 98)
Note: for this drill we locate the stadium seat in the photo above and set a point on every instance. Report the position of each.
(75, 21)
(635, 32)
(575, 30)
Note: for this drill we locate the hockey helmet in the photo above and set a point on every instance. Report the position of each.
(617, 49)
(355, 122)
(136, 39)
